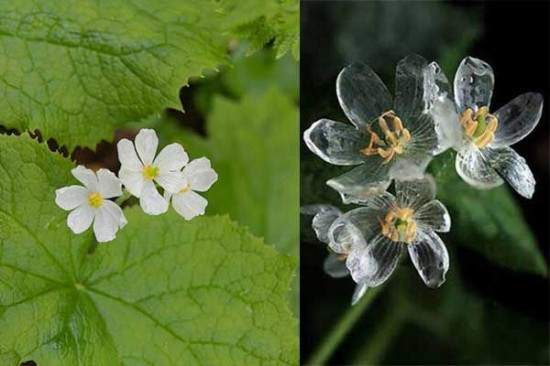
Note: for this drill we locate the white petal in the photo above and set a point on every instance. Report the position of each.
(433, 215)
(360, 290)
(146, 145)
(132, 180)
(151, 201)
(513, 169)
(70, 197)
(200, 175)
(415, 192)
(364, 181)
(108, 184)
(336, 143)
(470, 164)
(127, 156)
(172, 157)
(335, 266)
(85, 176)
(473, 84)
(109, 218)
(172, 182)
(189, 204)
(430, 257)
(80, 219)
(116, 212)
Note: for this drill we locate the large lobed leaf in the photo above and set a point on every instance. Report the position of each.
(165, 292)
(76, 70)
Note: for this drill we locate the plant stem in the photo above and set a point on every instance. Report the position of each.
(344, 325)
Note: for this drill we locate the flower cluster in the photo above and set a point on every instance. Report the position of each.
(394, 142)
(140, 172)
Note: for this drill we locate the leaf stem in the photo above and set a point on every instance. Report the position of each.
(344, 325)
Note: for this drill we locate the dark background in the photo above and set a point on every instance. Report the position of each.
(513, 37)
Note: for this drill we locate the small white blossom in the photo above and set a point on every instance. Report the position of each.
(198, 176)
(91, 204)
(140, 171)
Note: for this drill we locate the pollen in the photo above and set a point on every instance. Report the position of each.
(185, 188)
(399, 225)
(395, 137)
(150, 172)
(95, 200)
(479, 126)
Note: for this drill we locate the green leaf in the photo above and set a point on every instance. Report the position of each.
(488, 221)
(77, 70)
(165, 292)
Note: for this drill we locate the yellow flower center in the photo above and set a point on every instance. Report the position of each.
(399, 225)
(394, 141)
(95, 200)
(479, 126)
(185, 188)
(150, 172)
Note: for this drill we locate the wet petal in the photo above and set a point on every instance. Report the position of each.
(367, 219)
(151, 201)
(433, 215)
(335, 266)
(146, 145)
(517, 119)
(366, 180)
(362, 95)
(360, 290)
(424, 138)
(324, 216)
(430, 257)
(411, 166)
(133, 181)
(335, 142)
(409, 87)
(172, 182)
(473, 84)
(108, 184)
(374, 263)
(171, 157)
(344, 236)
(470, 164)
(200, 175)
(127, 155)
(109, 218)
(513, 169)
(80, 219)
(189, 204)
(70, 197)
(85, 176)
(415, 192)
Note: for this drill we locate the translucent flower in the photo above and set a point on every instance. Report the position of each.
(335, 263)
(198, 176)
(91, 204)
(388, 224)
(482, 138)
(139, 172)
(388, 140)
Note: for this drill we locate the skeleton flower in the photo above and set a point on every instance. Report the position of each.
(91, 203)
(387, 140)
(481, 138)
(139, 172)
(335, 263)
(387, 225)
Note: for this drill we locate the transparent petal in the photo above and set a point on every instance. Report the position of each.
(127, 156)
(133, 181)
(151, 201)
(415, 193)
(517, 119)
(360, 290)
(172, 181)
(473, 84)
(70, 197)
(411, 166)
(366, 180)
(171, 157)
(200, 175)
(513, 169)
(324, 216)
(335, 142)
(367, 219)
(409, 87)
(374, 263)
(430, 257)
(335, 266)
(424, 139)
(470, 164)
(146, 145)
(433, 215)
(362, 95)
(109, 218)
(436, 85)
(189, 204)
(344, 236)
(85, 176)
(80, 219)
(108, 184)
(384, 201)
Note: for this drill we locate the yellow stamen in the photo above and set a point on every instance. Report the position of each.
(150, 172)
(480, 126)
(399, 225)
(185, 188)
(95, 200)
(393, 142)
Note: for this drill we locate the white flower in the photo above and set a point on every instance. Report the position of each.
(198, 176)
(91, 203)
(482, 139)
(139, 172)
